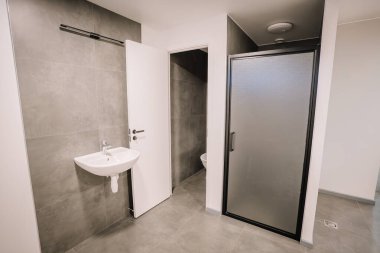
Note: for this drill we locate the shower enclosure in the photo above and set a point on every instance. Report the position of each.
(270, 111)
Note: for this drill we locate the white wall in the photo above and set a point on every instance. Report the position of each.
(330, 21)
(213, 34)
(352, 148)
(18, 229)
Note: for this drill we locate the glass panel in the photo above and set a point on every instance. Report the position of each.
(269, 114)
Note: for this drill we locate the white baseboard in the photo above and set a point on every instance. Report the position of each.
(213, 211)
(341, 195)
(306, 244)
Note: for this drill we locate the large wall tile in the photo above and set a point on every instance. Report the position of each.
(180, 147)
(73, 95)
(117, 204)
(35, 29)
(56, 98)
(110, 88)
(180, 73)
(197, 126)
(115, 136)
(70, 221)
(199, 98)
(180, 98)
(108, 56)
(115, 26)
(53, 171)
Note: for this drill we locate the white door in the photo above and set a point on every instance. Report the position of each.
(148, 112)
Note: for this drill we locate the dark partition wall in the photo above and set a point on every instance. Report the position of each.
(188, 108)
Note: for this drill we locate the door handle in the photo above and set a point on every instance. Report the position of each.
(134, 131)
(232, 141)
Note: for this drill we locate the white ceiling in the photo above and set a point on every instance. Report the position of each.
(355, 10)
(252, 15)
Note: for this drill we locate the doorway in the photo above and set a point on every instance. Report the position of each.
(188, 113)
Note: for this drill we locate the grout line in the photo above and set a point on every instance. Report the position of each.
(70, 64)
(363, 216)
(73, 133)
(67, 196)
(236, 242)
(62, 134)
(99, 233)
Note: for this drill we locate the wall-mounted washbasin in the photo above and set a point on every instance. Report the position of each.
(109, 164)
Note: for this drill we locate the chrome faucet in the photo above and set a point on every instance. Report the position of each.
(104, 147)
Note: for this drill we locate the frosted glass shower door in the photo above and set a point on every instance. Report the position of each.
(269, 115)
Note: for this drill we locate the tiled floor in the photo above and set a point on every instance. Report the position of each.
(181, 225)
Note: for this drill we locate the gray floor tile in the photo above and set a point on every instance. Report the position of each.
(343, 211)
(322, 242)
(124, 237)
(209, 233)
(254, 239)
(170, 245)
(181, 225)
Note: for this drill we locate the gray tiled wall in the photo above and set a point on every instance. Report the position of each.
(237, 41)
(73, 95)
(188, 94)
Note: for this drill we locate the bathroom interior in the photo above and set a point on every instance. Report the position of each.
(188, 112)
(142, 139)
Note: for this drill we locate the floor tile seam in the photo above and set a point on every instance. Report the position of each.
(236, 241)
(185, 224)
(187, 180)
(141, 226)
(361, 211)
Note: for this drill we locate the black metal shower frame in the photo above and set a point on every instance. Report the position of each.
(313, 95)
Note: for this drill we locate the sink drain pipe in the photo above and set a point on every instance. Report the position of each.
(114, 184)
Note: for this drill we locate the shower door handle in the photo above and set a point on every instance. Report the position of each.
(232, 141)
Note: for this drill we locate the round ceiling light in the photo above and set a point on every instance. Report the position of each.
(280, 27)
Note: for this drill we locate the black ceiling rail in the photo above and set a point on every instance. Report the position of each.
(92, 35)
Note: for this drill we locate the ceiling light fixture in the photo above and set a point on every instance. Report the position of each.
(281, 27)
(279, 40)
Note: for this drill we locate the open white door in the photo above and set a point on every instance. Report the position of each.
(148, 112)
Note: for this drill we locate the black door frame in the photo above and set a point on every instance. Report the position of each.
(313, 94)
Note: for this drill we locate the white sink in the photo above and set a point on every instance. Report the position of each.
(117, 160)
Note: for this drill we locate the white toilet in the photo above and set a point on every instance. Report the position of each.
(204, 160)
